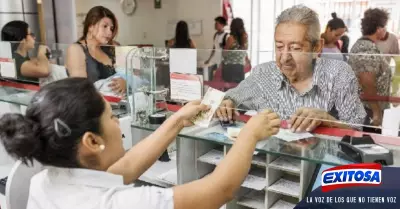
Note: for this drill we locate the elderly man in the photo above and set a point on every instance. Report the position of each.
(300, 87)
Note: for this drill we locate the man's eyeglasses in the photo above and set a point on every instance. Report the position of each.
(32, 35)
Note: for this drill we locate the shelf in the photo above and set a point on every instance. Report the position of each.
(251, 203)
(281, 204)
(259, 160)
(286, 187)
(170, 176)
(287, 164)
(154, 175)
(254, 199)
(213, 157)
(254, 182)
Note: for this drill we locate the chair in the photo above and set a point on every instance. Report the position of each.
(18, 183)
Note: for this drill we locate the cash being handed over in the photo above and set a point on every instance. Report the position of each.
(213, 98)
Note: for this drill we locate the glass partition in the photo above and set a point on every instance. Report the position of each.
(24, 73)
(318, 98)
(13, 55)
(307, 91)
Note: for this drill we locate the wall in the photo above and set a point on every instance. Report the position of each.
(25, 10)
(66, 30)
(205, 10)
(149, 25)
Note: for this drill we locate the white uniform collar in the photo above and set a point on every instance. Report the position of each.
(88, 177)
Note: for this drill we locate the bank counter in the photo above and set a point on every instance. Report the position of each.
(282, 172)
(285, 167)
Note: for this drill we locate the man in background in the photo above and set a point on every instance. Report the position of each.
(219, 39)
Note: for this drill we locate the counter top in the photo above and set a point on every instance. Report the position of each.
(323, 147)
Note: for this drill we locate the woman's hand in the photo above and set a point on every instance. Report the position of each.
(118, 85)
(189, 111)
(262, 125)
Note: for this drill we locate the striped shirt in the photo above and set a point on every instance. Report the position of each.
(334, 90)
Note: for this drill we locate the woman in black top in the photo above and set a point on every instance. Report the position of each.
(93, 55)
(23, 40)
(182, 38)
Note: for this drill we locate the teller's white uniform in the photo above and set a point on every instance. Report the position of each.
(61, 188)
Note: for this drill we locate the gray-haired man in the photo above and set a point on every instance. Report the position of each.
(306, 90)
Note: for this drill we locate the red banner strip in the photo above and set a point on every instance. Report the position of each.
(36, 88)
(337, 132)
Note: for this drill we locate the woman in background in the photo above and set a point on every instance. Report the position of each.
(92, 56)
(73, 132)
(23, 41)
(235, 54)
(372, 69)
(182, 38)
(334, 30)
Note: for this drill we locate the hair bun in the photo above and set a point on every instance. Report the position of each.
(334, 15)
(20, 136)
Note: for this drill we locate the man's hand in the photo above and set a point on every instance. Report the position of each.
(377, 119)
(42, 52)
(307, 119)
(226, 112)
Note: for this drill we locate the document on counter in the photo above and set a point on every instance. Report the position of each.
(183, 61)
(212, 98)
(288, 135)
(57, 72)
(7, 68)
(186, 87)
(170, 176)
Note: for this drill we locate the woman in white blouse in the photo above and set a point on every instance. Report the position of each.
(74, 133)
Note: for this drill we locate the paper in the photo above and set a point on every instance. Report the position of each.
(233, 132)
(213, 157)
(183, 61)
(186, 87)
(5, 51)
(140, 100)
(212, 98)
(7, 68)
(251, 113)
(254, 182)
(57, 72)
(170, 176)
(391, 122)
(288, 135)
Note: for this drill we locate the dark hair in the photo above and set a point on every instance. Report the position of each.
(56, 119)
(182, 39)
(345, 47)
(373, 18)
(14, 31)
(221, 20)
(335, 23)
(94, 15)
(238, 31)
